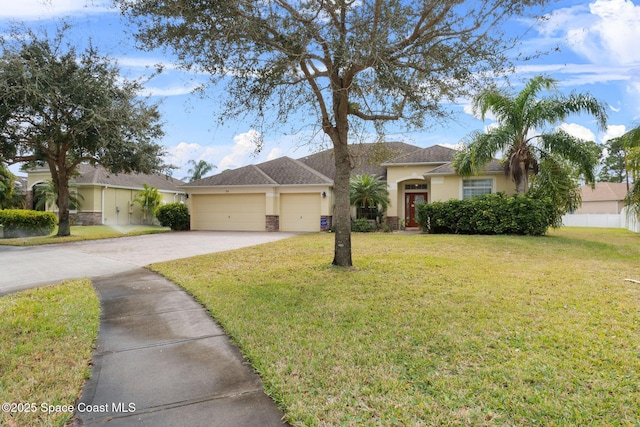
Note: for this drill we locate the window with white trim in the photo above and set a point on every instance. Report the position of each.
(476, 187)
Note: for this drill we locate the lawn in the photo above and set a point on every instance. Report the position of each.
(436, 329)
(88, 232)
(46, 340)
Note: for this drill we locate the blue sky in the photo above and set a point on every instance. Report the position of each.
(598, 54)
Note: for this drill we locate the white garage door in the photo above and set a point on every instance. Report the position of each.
(300, 212)
(231, 212)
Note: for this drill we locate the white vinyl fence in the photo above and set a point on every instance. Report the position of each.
(626, 219)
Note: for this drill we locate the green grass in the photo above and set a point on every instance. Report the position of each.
(89, 232)
(46, 341)
(436, 329)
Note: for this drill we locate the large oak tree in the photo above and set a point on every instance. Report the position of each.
(338, 60)
(60, 107)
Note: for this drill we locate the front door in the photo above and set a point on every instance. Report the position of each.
(410, 212)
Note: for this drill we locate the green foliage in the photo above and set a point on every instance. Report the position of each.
(614, 168)
(64, 107)
(520, 115)
(24, 223)
(149, 199)
(199, 170)
(47, 195)
(174, 215)
(557, 181)
(369, 195)
(362, 225)
(7, 188)
(490, 214)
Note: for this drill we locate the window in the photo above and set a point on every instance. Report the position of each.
(476, 187)
(415, 186)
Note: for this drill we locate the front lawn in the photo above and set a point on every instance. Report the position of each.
(436, 329)
(88, 232)
(46, 341)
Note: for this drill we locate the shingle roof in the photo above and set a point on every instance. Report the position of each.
(494, 166)
(604, 191)
(286, 171)
(100, 176)
(246, 175)
(280, 171)
(367, 158)
(430, 155)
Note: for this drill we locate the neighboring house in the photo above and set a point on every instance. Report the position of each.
(107, 198)
(605, 198)
(297, 195)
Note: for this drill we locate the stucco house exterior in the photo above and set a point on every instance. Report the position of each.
(604, 198)
(297, 194)
(107, 198)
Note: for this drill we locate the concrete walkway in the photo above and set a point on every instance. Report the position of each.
(160, 360)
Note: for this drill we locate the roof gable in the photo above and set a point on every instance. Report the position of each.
(246, 175)
(604, 191)
(367, 158)
(286, 171)
(430, 155)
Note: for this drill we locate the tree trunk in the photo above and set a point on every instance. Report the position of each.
(61, 182)
(342, 210)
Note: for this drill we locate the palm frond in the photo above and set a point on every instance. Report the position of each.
(583, 154)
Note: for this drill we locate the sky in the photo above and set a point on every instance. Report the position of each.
(592, 44)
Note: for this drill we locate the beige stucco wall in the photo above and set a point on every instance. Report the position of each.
(439, 187)
(601, 207)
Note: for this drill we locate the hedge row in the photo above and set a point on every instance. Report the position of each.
(174, 215)
(26, 223)
(491, 214)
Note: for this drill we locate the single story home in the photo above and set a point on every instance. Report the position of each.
(604, 198)
(107, 198)
(297, 194)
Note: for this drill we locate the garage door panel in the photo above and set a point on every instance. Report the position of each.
(300, 212)
(237, 212)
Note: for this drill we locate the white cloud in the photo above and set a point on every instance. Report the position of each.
(245, 144)
(613, 131)
(274, 154)
(174, 90)
(37, 9)
(605, 33)
(578, 131)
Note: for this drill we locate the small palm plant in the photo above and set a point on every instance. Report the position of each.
(46, 194)
(149, 199)
(369, 195)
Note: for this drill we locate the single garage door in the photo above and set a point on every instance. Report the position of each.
(299, 212)
(229, 212)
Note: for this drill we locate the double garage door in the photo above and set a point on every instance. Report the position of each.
(247, 212)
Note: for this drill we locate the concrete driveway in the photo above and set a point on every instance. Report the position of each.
(32, 266)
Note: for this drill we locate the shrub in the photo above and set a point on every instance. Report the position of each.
(26, 223)
(491, 214)
(363, 225)
(174, 215)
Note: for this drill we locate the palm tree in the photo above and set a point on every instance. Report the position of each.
(369, 195)
(199, 170)
(47, 195)
(524, 134)
(631, 144)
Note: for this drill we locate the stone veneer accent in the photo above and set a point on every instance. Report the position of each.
(329, 220)
(87, 218)
(393, 222)
(273, 223)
